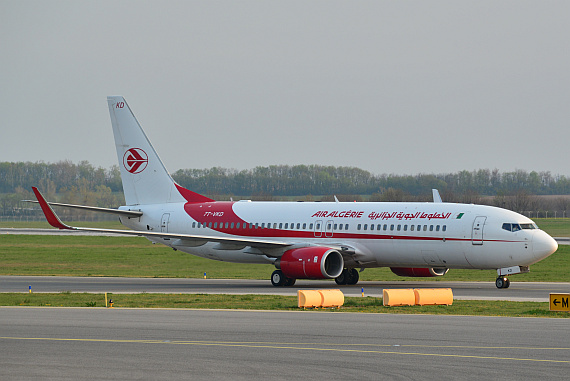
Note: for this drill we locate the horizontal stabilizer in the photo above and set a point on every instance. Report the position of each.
(127, 213)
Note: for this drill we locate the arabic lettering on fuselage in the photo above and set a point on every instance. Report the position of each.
(408, 216)
(381, 215)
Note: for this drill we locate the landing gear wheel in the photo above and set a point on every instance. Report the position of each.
(347, 276)
(289, 282)
(353, 277)
(502, 282)
(278, 279)
(342, 279)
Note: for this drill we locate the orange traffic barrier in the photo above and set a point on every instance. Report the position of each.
(331, 298)
(433, 296)
(398, 297)
(320, 298)
(308, 298)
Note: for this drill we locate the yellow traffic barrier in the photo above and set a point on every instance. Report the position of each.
(433, 296)
(331, 298)
(398, 297)
(308, 298)
(320, 298)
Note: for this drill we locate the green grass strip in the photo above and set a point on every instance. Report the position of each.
(274, 302)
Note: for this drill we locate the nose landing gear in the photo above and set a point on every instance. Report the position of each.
(502, 282)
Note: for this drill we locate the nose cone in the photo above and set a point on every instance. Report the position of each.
(543, 245)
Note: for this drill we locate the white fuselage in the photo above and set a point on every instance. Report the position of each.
(440, 235)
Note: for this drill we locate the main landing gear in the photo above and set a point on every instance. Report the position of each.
(502, 282)
(347, 276)
(278, 279)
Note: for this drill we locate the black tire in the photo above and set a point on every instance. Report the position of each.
(507, 283)
(501, 282)
(353, 277)
(277, 278)
(290, 282)
(342, 279)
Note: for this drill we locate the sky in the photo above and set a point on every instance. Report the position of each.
(395, 87)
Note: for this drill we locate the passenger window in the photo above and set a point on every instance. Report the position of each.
(318, 226)
(228, 223)
(399, 227)
(335, 226)
(263, 225)
(310, 226)
(238, 225)
(444, 228)
(304, 226)
(419, 227)
(405, 228)
(281, 225)
(210, 225)
(412, 227)
(437, 228)
(358, 227)
(232, 225)
(385, 227)
(193, 224)
(365, 226)
(431, 228)
(391, 227)
(346, 227)
(425, 228)
(379, 227)
(371, 226)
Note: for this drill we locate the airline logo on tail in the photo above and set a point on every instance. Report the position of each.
(135, 160)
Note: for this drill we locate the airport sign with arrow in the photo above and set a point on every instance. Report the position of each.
(559, 302)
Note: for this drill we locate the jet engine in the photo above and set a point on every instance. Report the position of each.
(419, 271)
(311, 263)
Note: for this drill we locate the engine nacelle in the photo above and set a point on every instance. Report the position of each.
(311, 263)
(419, 271)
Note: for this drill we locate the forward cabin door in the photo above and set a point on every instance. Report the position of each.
(477, 231)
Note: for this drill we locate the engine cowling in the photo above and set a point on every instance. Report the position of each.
(419, 272)
(311, 263)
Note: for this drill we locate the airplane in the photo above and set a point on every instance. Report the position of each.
(311, 240)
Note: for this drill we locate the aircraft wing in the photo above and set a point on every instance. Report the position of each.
(190, 239)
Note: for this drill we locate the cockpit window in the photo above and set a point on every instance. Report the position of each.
(528, 226)
(517, 227)
(511, 227)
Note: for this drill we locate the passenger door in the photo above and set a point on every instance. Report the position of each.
(477, 231)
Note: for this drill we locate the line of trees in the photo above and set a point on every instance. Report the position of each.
(83, 183)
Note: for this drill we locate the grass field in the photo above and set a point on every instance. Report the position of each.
(137, 257)
(274, 302)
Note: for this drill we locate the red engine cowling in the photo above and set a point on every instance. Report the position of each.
(311, 263)
(419, 271)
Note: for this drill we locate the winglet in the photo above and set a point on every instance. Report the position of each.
(436, 196)
(51, 217)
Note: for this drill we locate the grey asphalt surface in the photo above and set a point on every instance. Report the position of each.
(158, 344)
(518, 291)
